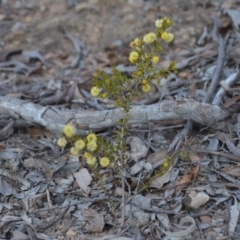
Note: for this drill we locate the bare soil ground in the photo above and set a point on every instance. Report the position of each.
(49, 51)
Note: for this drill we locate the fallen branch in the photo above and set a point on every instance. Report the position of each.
(54, 119)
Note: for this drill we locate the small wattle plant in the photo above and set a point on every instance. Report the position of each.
(123, 90)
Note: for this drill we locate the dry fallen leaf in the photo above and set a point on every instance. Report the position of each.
(138, 148)
(83, 179)
(232, 171)
(158, 182)
(234, 215)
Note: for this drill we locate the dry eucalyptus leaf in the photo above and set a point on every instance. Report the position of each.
(232, 171)
(137, 167)
(119, 191)
(6, 189)
(234, 15)
(65, 182)
(158, 182)
(164, 219)
(83, 179)
(187, 221)
(234, 215)
(157, 158)
(138, 148)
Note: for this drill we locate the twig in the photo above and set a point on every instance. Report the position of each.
(16, 66)
(180, 136)
(76, 203)
(81, 52)
(225, 86)
(49, 198)
(53, 221)
(221, 154)
(220, 63)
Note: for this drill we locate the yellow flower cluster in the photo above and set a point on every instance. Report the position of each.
(79, 144)
(136, 43)
(95, 91)
(68, 130)
(155, 59)
(91, 161)
(161, 22)
(104, 162)
(92, 137)
(91, 146)
(165, 164)
(146, 87)
(150, 37)
(91, 142)
(167, 37)
(74, 151)
(62, 142)
(133, 57)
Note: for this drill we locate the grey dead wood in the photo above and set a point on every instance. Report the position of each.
(84, 121)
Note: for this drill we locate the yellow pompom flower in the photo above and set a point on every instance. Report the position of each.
(87, 155)
(91, 161)
(74, 151)
(159, 23)
(137, 41)
(68, 130)
(150, 37)
(165, 22)
(62, 142)
(167, 37)
(146, 88)
(155, 59)
(165, 164)
(91, 146)
(79, 144)
(133, 57)
(92, 137)
(95, 91)
(144, 81)
(104, 161)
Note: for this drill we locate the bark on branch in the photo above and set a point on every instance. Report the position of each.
(54, 119)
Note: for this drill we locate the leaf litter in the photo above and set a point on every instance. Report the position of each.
(46, 194)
